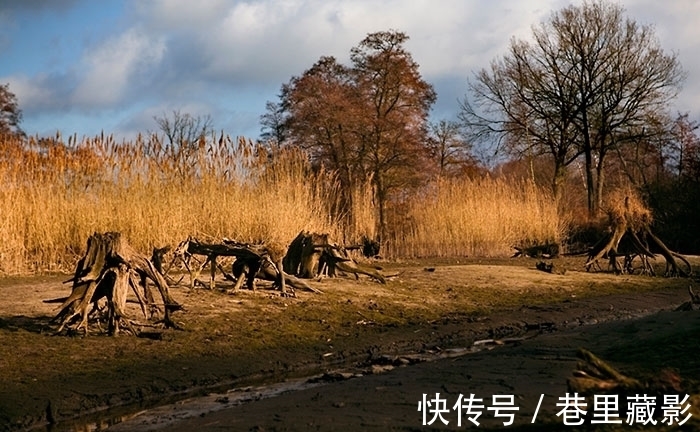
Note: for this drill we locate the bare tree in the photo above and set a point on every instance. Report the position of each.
(186, 135)
(273, 124)
(449, 149)
(587, 84)
(184, 129)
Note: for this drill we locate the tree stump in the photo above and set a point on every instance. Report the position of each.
(311, 254)
(109, 268)
(304, 254)
(630, 220)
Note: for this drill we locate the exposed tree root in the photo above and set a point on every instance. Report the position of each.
(108, 270)
(630, 223)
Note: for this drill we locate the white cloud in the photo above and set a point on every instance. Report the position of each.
(228, 57)
(29, 92)
(115, 65)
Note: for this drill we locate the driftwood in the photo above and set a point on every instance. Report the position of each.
(594, 376)
(311, 255)
(250, 257)
(109, 268)
(248, 270)
(630, 225)
(336, 259)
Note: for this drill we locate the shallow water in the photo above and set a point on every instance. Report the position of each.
(164, 415)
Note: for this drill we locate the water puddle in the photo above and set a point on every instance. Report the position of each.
(164, 415)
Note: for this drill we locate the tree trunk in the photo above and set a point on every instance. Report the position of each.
(590, 186)
(381, 204)
(599, 182)
(558, 180)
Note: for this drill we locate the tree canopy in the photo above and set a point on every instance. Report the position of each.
(366, 120)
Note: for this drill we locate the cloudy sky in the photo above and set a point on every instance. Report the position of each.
(83, 66)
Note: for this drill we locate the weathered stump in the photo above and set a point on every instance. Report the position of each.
(631, 221)
(304, 254)
(311, 254)
(107, 270)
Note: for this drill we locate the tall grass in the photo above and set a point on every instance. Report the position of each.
(477, 217)
(56, 193)
(54, 196)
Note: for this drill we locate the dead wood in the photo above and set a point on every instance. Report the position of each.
(304, 254)
(107, 270)
(631, 237)
(249, 258)
(312, 255)
(189, 248)
(594, 376)
(547, 250)
(672, 268)
(337, 259)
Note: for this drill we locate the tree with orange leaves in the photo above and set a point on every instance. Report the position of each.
(368, 120)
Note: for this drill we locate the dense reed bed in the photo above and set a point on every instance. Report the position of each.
(56, 192)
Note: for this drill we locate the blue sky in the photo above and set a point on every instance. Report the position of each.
(82, 66)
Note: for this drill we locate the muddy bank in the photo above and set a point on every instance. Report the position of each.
(254, 338)
(533, 372)
(536, 366)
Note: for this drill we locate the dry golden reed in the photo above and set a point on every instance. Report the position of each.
(477, 217)
(625, 205)
(55, 194)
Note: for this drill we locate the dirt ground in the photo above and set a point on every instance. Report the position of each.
(361, 331)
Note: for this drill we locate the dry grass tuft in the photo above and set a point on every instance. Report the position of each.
(624, 205)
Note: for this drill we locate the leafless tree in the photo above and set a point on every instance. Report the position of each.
(587, 84)
(449, 149)
(273, 124)
(184, 129)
